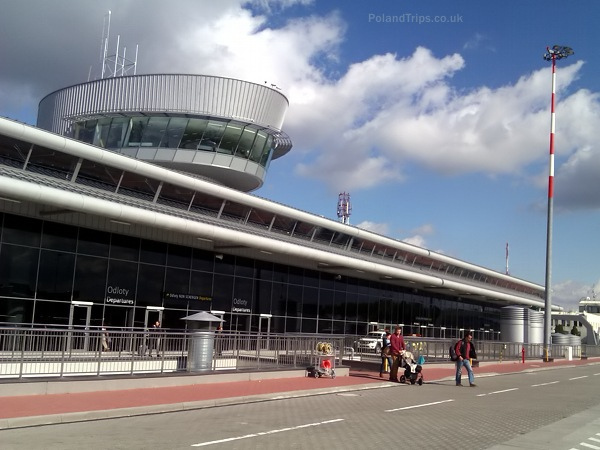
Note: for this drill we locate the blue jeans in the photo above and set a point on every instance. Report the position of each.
(467, 365)
(389, 361)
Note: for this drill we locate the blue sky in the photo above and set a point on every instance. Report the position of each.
(439, 131)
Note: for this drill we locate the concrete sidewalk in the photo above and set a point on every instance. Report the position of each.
(33, 403)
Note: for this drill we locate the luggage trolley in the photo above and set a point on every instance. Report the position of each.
(325, 362)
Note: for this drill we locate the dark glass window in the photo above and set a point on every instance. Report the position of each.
(212, 136)
(309, 325)
(193, 133)
(153, 252)
(154, 134)
(52, 163)
(124, 247)
(117, 133)
(177, 281)
(280, 273)
(294, 300)
(222, 292)
(92, 242)
(264, 270)
(231, 137)
(21, 230)
(224, 263)
(203, 260)
(138, 186)
(326, 304)
(90, 278)
(245, 143)
(339, 305)
(278, 298)
(150, 285)
(201, 284)
(179, 256)
(16, 310)
(55, 277)
(242, 295)
(263, 297)
(13, 152)
(122, 281)
(99, 176)
(56, 313)
(244, 267)
(175, 131)
(137, 129)
(18, 270)
(310, 301)
(57, 236)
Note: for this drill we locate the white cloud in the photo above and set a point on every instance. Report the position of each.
(568, 293)
(359, 129)
(379, 228)
(417, 240)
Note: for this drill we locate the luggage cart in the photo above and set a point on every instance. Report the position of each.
(324, 362)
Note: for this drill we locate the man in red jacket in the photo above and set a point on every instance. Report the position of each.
(397, 346)
(465, 350)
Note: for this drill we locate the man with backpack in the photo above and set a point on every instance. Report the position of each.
(465, 350)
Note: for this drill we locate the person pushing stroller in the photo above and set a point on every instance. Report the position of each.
(397, 347)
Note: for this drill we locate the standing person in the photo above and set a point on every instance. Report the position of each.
(105, 340)
(156, 338)
(397, 347)
(465, 349)
(386, 353)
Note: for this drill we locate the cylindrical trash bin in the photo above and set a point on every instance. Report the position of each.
(200, 351)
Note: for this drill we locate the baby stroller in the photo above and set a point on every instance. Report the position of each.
(413, 372)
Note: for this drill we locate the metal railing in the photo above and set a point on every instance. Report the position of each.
(60, 352)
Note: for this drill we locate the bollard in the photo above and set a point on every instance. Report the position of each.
(523, 355)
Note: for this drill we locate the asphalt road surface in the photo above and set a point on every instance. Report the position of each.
(545, 409)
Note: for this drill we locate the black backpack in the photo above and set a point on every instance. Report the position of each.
(453, 355)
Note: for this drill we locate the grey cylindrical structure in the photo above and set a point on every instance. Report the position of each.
(535, 327)
(512, 324)
(200, 351)
(223, 129)
(560, 339)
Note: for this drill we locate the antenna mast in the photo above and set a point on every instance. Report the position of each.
(507, 272)
(115, 65)
(344, 208)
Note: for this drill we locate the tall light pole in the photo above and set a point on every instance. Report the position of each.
(552, 54)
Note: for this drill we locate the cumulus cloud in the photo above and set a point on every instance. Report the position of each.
(380, 228)
(568, 293)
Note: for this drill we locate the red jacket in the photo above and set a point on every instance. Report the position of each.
(397, 343)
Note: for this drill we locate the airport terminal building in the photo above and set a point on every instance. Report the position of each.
(129, 203)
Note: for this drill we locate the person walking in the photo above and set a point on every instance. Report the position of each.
(386, 353)
(465, 350)
(397, 347)
(155, 341)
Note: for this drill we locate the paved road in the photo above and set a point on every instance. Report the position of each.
(547, 409)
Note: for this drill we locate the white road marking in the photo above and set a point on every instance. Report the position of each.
(585, 444)
(418, 406)
(265, 433)
(596, 374)
(498, 392)
(545, 384)
(578, 378)
(594, 439)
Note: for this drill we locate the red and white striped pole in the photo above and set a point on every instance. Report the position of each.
(552, 54)
(548, 299)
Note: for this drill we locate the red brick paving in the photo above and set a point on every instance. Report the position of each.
(39, 405)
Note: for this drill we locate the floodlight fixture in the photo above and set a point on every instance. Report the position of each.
(557, 52)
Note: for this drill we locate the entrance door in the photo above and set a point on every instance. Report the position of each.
(264, 330)
(152, 315)
(79, 325)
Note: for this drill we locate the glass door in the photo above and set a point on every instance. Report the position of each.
(80, 314)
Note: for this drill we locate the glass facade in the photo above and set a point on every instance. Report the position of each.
(46, 268)
(149, 137)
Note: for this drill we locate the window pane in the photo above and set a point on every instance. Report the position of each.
(57, 236)
(153, 252)
(92, 242)
(122, 281)
(117, 133)
(150, 286)
(124, 247)
(55, 277)
(18, 270)
(154, 134)
(90, 279)
(193, 133)
(22, 230)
